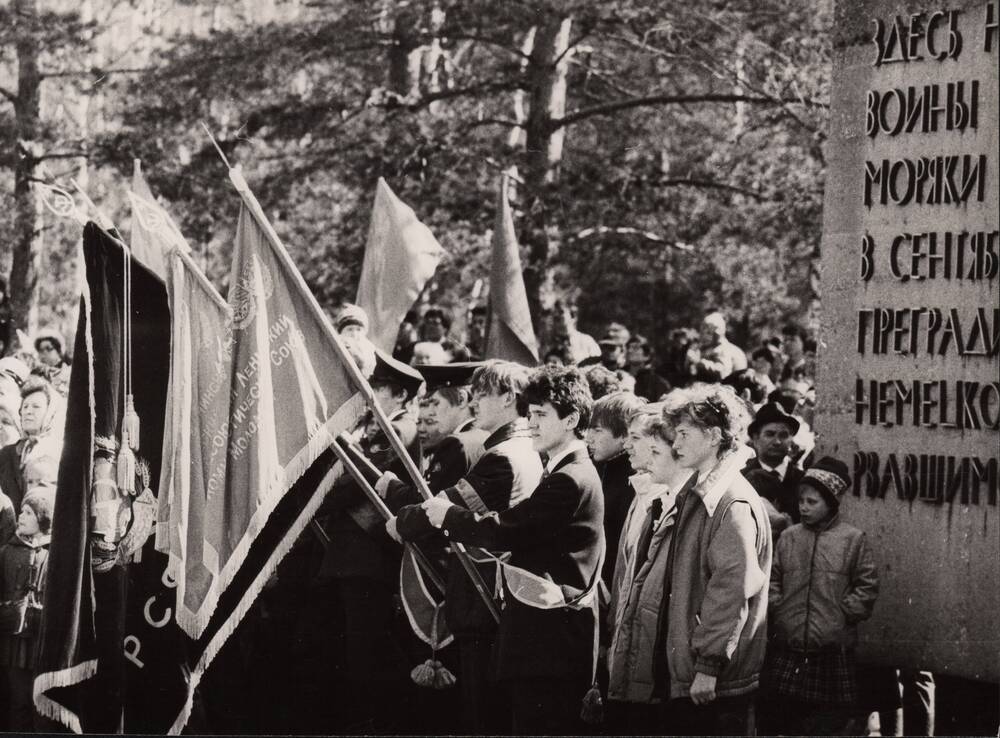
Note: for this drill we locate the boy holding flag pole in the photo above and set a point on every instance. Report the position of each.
(412, 470)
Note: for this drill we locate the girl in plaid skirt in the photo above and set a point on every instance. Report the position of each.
(823, 583)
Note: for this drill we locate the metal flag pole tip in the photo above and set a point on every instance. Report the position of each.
(216, 145)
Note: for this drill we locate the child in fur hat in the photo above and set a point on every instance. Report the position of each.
(823, 583)
(22, 574)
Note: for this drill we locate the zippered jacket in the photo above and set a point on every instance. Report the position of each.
(720, 562)
(823, 583)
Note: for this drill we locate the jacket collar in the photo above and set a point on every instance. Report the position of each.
(41, 542)
(719, 479)
(576, 452)
(514, 429)
(619, 460)
(465, 425)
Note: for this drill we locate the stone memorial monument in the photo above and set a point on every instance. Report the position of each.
(909, 361)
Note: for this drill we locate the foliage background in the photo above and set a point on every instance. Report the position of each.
(663, 197)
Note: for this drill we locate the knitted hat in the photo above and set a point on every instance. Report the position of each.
(351, 314)
(830, 477)
(42, 501)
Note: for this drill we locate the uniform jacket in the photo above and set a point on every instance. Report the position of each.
(718, 574)
(637, 603)
(452, 458)
(618, 496)
(359, 545)
(558, 534)
(823, 584)
(788, 499)
(509, 471)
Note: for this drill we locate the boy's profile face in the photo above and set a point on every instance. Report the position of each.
(548, 431)
(490, 408)
(812, 507)
(602, 443)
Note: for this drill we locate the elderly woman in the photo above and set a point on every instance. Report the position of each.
(33, 461)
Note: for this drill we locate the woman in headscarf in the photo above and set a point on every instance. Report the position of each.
(33, 461)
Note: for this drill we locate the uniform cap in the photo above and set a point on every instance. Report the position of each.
(391, 371)
(440, 376)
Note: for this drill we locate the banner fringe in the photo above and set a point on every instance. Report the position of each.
(51, 709)
(194, 622)
(77, 673)
(217, 641)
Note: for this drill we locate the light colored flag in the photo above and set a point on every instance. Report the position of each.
(257, 399)
(509, 333)
(154, 233)
(400, 256)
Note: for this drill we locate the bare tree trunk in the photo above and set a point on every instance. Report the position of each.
(740, 67)
(547, 68)
(516, 136)
(403, 69)
(24, 289)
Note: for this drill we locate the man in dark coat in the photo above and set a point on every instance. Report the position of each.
(545, 649)
(508, 472)
(770, 433)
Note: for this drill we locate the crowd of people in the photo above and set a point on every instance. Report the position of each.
(33, 381)
(663, 551)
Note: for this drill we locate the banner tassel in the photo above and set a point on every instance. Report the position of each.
(433, 675)
(592, 712)
(131, 422)
(126, 469)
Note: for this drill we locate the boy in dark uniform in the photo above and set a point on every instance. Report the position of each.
(450, 442)
(359, 574)
(546, 644)
(507, 472)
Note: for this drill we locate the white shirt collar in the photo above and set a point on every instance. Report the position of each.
(575, 445)
(781, 469)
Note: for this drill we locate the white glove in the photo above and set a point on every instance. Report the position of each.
(436, 508)
(382, 485)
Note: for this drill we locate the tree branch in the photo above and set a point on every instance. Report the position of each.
(506, 122)
(640, 102)
(710, 184)
(63, 155)
(628, 231)
(4, 92)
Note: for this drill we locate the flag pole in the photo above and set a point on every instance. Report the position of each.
(386, 513)
(365, 389)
